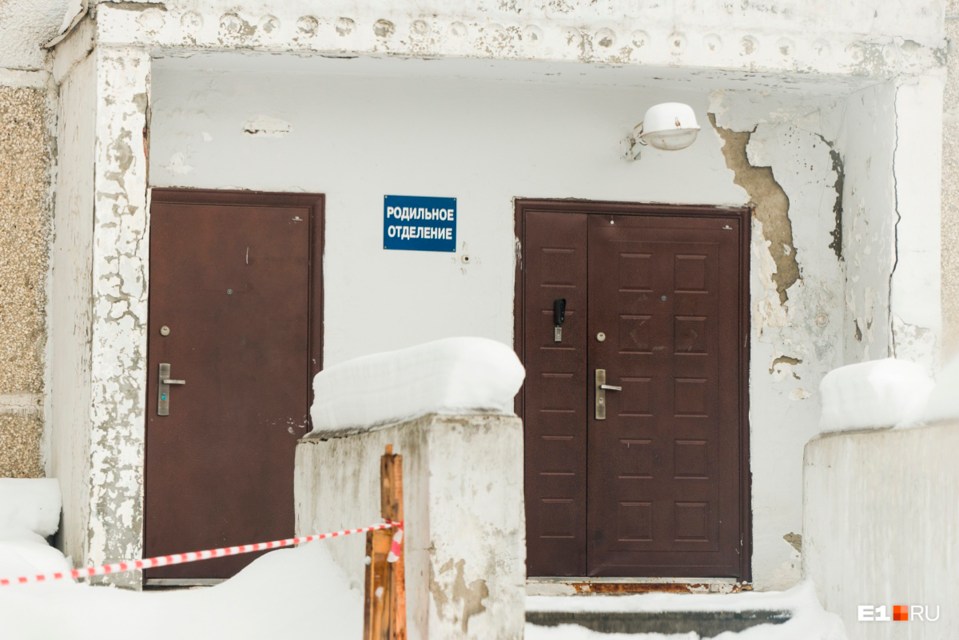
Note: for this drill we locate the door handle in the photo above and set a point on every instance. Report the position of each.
(601, 389)
(163, 389)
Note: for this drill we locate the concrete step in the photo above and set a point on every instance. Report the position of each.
(706, 623)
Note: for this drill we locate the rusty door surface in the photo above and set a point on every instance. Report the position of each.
(647, 477)
(235, 319)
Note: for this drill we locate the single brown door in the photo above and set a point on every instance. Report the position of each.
(645, 477)
(234, 323)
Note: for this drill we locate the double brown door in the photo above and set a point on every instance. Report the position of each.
(234, 338)
(633, 335)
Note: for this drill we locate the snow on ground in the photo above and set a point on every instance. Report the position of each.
(454, 375)
(809, 621)
(287, 594)
(874, 394)
(29, 512)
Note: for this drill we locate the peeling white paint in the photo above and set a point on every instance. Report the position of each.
(867, 142)
(793, 343)
(267, 127)
(118, 355)
(177, 164)
(464, 541)
(71, 304)
(915, 301)
(820, 75)
(852, 39)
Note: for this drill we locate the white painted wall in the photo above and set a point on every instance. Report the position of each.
(71, 297)
(793, 343)
(880, 526)
(860, 38)
(358, 138)
(915, 303)
(118, 327)
(867, 140)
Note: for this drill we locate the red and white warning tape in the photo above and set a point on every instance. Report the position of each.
(194, 556)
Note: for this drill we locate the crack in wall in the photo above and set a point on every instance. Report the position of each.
(839, 168)
(895, 227)
(770, 205)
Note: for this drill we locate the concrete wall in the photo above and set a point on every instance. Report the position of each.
(950, 187)
(465, 548)
(409, 109)
(868, 218)
(880, 526)
(401, 127)
(71, 297)
(781, 155)
(394, 130)
(26, 166)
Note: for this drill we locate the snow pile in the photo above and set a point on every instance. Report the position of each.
(288, 594)
(875, 394)
(29, 512)
(31, 504)
(944, 400)
(809, 620)
(454, 375)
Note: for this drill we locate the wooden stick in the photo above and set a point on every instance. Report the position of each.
(384, 611)
(391, 472)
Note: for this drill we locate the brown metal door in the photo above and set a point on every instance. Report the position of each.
(554, 394)
(234, 311)
(657, 488)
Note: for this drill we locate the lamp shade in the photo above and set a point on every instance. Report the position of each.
(670, 126)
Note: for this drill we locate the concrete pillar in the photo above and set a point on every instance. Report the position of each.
(465, 540)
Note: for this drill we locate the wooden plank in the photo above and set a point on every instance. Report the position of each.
(392, 509)
(384, 610)
(376, 609)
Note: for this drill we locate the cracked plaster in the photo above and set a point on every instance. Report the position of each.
(787, 167)
(744, 39)
(119, 311)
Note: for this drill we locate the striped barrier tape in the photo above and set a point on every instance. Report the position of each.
(194, 556)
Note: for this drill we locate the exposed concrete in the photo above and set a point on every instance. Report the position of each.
(25, 151)
(464, 545)
(770, 205)
(25, 168)
(793, 338)
(879, 526)
(20, 437)
(855, 38)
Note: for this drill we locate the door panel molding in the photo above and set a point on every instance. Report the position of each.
(524, 207)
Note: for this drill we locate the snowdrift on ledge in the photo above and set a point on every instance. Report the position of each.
(453, 375)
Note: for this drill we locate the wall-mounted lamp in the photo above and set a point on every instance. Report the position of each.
(668, 125)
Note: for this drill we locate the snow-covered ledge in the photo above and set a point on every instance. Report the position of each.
(446, 407)
(880, 514)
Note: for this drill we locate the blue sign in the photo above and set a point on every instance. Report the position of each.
(419, 223)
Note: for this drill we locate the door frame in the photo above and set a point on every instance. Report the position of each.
(522, 206)
(316, 218)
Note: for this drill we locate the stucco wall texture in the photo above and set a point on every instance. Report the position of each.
(24, 230)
